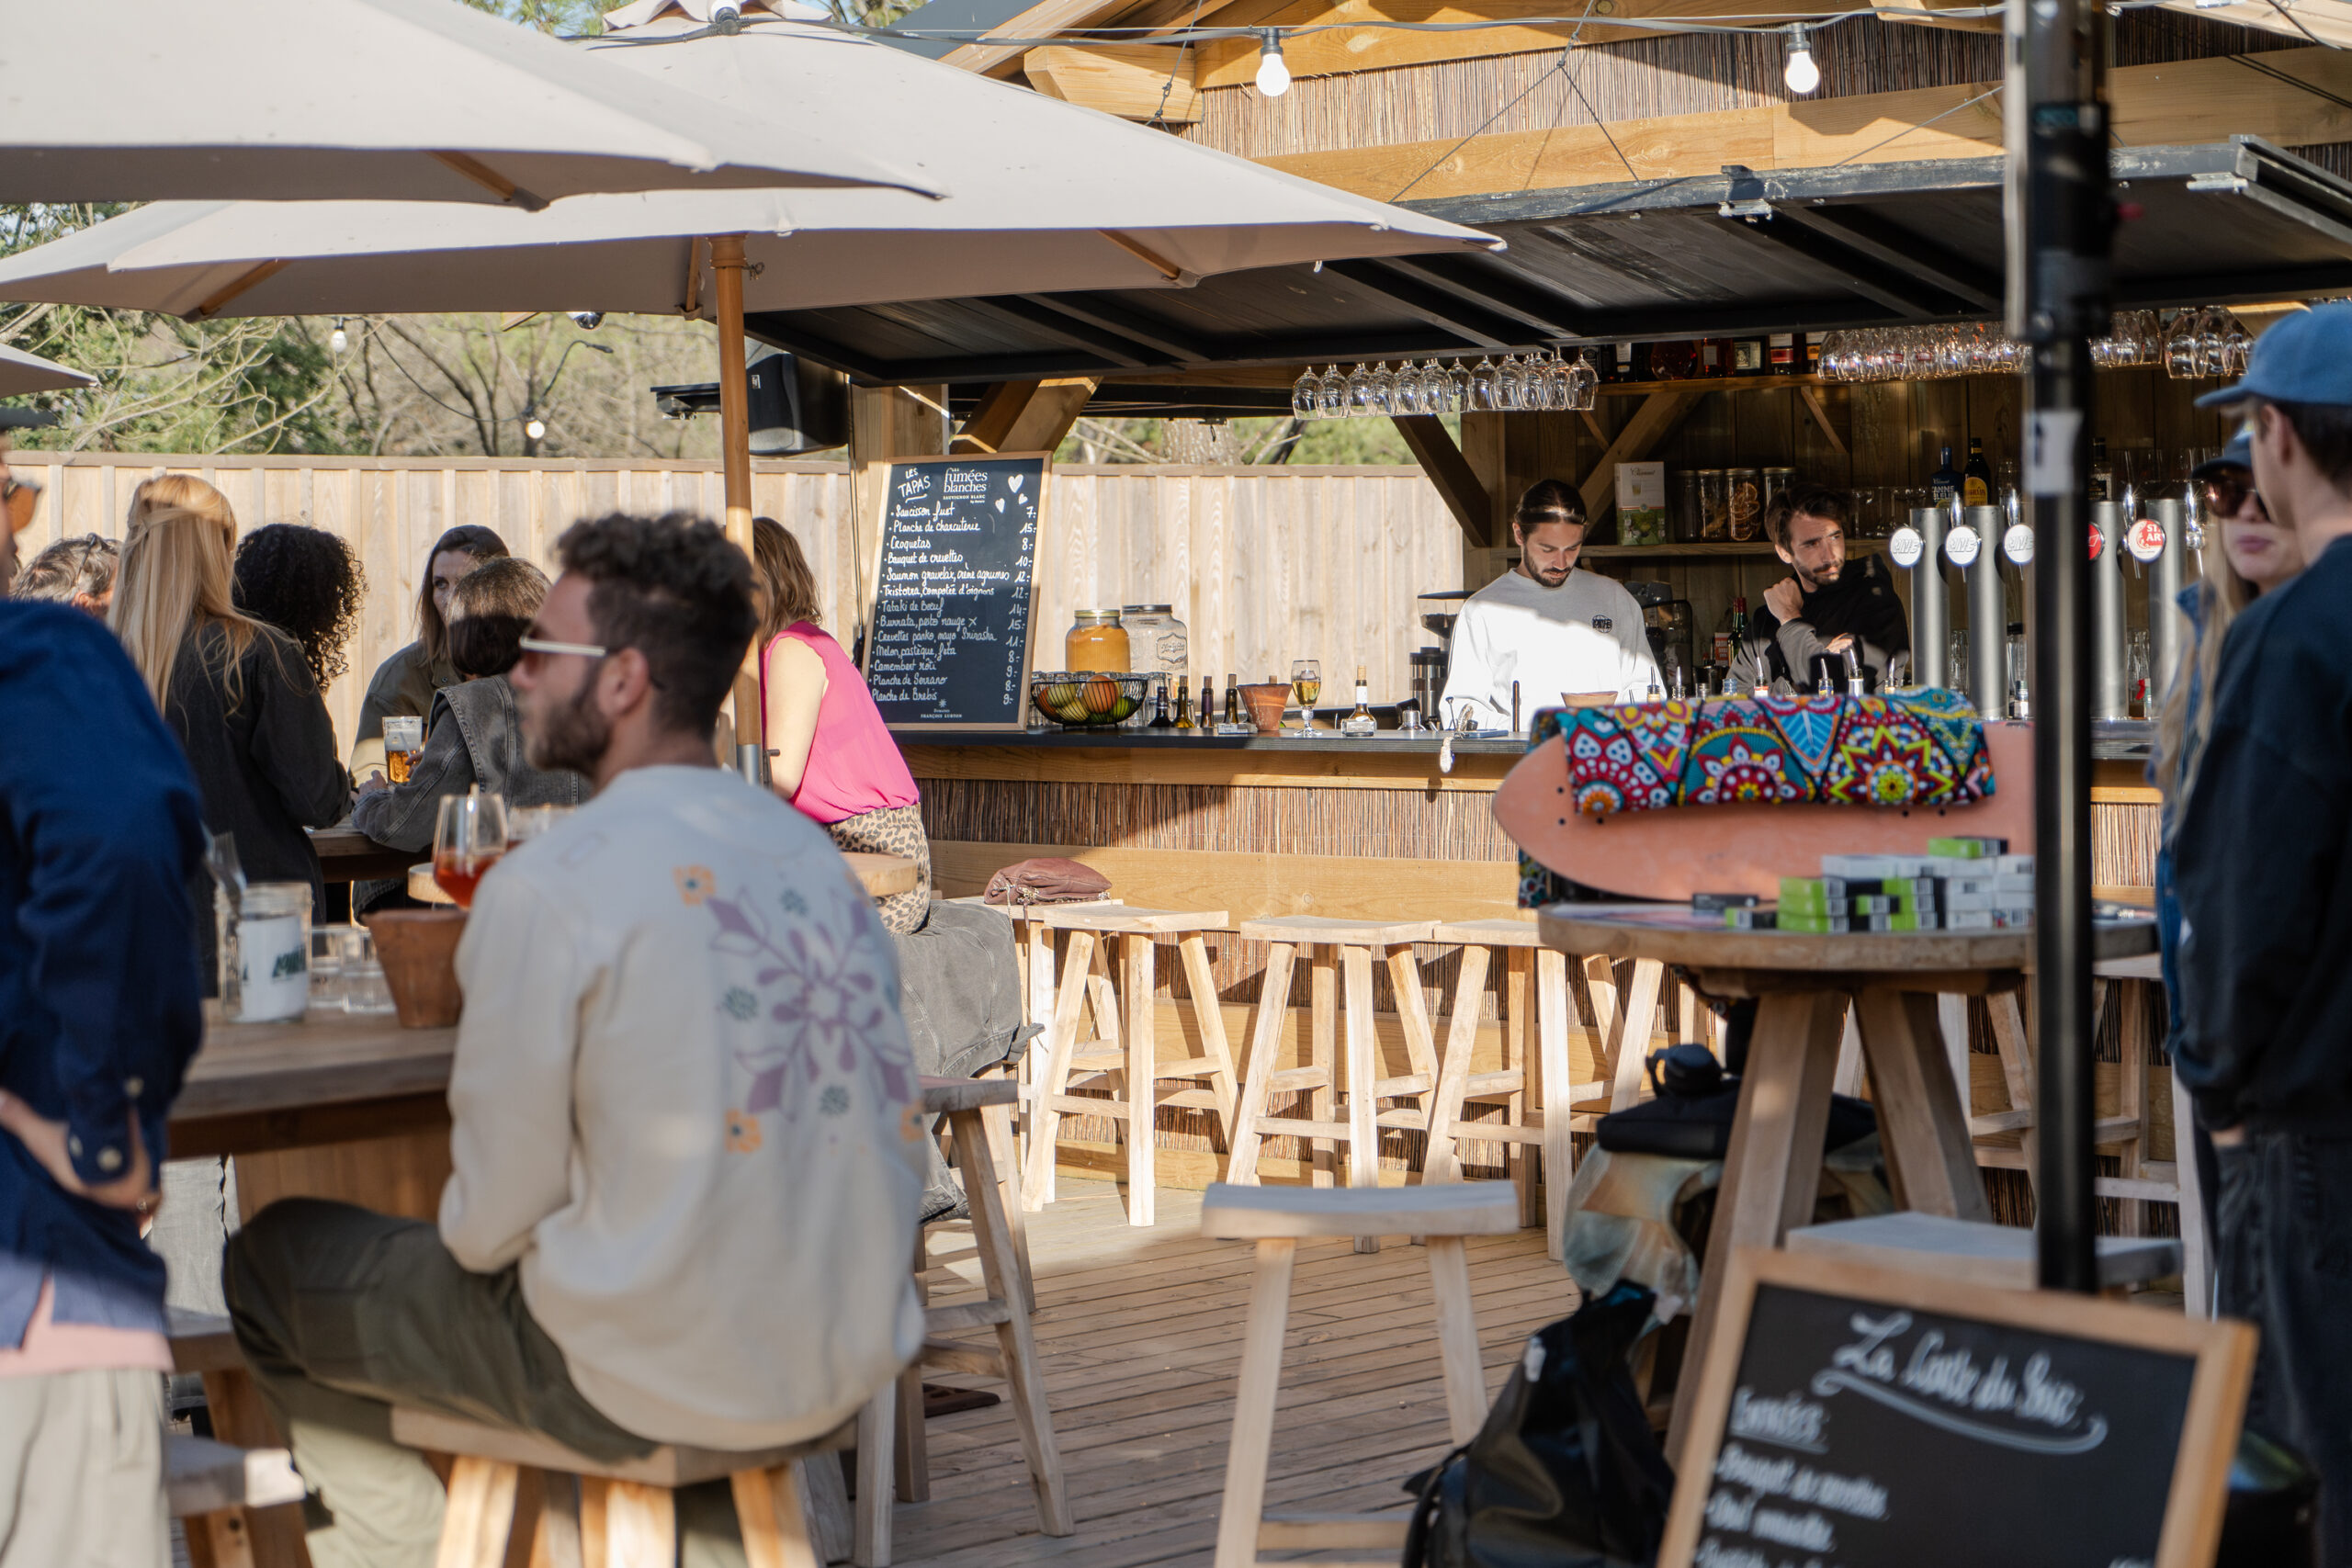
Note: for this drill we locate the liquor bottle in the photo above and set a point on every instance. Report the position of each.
(1183, 704)
(1782, 356)
(1944, 483)
(1811, 343)
(1731, 633)
(1233, 699)
(1976, 479)
(1361, 721)
(1160, 719)
(1206, 707)
(2102, 470)
(1749, 357)
(1714, 362)
(1674, 361)
(1621, 364)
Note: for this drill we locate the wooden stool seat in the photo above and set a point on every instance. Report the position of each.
(202, 1342)
(1336, 949)
(1975, 1250)
(1123, 1056)
(210, 1485)
(1277, 1219)
(671, 1465)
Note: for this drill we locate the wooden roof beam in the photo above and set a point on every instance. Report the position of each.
(1151, 81)
(1450, 471)
(1024, 416)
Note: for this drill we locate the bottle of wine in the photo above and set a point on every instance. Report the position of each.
(1976, 479)
(1361, 721)
(1782, 355)
(1206, 707)
(1160, 718)
(1622, 364)
(2102, 470)
(1944, 483)
(1233, 699)
(1183, 704)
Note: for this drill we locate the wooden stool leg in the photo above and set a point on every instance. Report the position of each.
(1017, 1343)
(1773, 1170)
(1061, 1038)
(2131, 1006)
(480, 1514)
(1265, 1047)
(998, 1119)
(1323, 1035)
(1630, 1048)
(2197, 1259)
(1559, 1145)
(274, 1536)
(1413, 1017)
(1364, 1079)
(823, 1497)
(1457, 1337)
(556, 1542)
(1443, 1162)
(775, 1525)
(641, 1526)
(911, 1447)
(1137, 978)
(1257, 1388)
(1921, 1119)
(1208, 1017)
(872, 1545)
(1524, 1160)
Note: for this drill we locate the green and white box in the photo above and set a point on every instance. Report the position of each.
(1641, 503)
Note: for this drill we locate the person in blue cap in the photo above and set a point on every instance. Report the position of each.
(2262, 866)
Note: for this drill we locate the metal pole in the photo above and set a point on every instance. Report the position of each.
(2163, 595)
(1988, 615)
(1930, 602)
(2061, 222)
(2110, 634)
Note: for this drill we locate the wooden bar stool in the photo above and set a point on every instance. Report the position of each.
(1123, 1054)
(1278, 1219)
(1337, 948)
(1530, 1083)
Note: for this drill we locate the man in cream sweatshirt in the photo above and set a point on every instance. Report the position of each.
(686, 1142)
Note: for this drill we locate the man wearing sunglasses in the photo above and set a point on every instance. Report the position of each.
(2263, 864)
(687, 1142)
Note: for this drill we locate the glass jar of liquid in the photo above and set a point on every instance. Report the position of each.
(1097, 642)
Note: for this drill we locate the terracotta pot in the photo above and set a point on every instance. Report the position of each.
(1266, 701)
(419, 952)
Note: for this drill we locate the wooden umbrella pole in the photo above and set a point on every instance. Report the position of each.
(735, 447)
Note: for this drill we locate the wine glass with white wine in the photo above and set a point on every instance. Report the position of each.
(1306, 686)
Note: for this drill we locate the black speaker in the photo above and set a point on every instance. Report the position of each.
(796, 406)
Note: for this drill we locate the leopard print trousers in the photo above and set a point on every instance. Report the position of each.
(896, 831)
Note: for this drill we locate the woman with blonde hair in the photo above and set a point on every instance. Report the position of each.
(237, 693)
(828, 752)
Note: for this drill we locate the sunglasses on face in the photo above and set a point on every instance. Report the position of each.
(2226, 494)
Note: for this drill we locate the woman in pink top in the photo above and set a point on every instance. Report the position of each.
(829, 751)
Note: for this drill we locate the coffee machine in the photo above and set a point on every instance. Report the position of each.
(1431, 662)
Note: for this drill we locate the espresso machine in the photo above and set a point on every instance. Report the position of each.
(1431, 662)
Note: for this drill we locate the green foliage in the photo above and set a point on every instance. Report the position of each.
(566, 19)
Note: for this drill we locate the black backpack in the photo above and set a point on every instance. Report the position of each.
(1565, 1473)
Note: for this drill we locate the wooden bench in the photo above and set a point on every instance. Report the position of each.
(1975, 1250)
(1277, 1219)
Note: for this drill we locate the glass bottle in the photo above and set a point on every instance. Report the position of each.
(1160, 718)
(1097, 641)
(1205, 711)
(1622, 364)
(1781, 355)
(1233, 699)
(2102, 470)
(1944, 483)
(1976, 479)
(1183, 704)
(1361, 721)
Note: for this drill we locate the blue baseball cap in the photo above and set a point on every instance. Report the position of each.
(2238, 454)
(2306, 358)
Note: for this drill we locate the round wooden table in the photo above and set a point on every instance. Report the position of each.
(1803, 983)
(880, 874)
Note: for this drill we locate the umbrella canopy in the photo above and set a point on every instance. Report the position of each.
(21, 373)
(309, 99)
(1042, 196)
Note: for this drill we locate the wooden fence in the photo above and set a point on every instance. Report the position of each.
(1264, 565)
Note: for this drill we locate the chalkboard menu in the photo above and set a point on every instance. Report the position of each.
(949, 645)
(1851, 1417)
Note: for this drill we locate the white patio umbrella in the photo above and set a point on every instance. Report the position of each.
(21, 373)
(1042, 196)
(413, 100)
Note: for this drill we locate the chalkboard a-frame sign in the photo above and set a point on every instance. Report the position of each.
(1853, 1416)
(956, 597)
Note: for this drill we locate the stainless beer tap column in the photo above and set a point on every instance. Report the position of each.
(2111, 693)
(1988, 612)
(1919, 547)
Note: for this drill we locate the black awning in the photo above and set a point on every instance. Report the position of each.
(1735, 252)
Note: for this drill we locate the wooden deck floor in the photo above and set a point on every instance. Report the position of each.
(1140, 1333)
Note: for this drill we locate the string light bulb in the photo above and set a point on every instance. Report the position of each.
(1802, 73)
(338, 341)
(1274, 72)
(536, 428)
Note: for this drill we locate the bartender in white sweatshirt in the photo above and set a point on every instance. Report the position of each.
(1546, 624)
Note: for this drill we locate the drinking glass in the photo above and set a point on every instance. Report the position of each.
(525, 823)
(364, 988)
(1306, 686)
(403, 739)
(1484, 396)
(1511, 386)
(1405, 390)
(1360, 393)
(467, 838)
(2237, 344)
(1438, 394)
(1384, 389)
(1331, 401)
(1306, 394)
(1461, 401)
(2180, 346)
(1583, 384)
(326, 967)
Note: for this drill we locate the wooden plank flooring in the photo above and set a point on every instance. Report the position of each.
(1140, 1332)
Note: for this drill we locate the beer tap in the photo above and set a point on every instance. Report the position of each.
(1463, 726)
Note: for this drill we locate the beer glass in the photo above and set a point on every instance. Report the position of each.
(403, 739)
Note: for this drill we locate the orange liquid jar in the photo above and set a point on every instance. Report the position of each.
(1097, 642)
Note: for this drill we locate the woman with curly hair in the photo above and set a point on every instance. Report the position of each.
(307, 583)
(404, 684)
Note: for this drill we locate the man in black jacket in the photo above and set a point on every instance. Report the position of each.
(1824, 606)
(2264, 868)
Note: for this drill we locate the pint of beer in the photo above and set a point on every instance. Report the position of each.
(403, 739)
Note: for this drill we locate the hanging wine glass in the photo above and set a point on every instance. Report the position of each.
(2212, 342)
(1437, 387)
(2237, 344)
(1510, 385)
(2180, 346)
(1306, 394)
(1333, 402)
(1482, 396)
(1461, 401)
(1583, 383)
(1384, 390)
(1359, 391)
(1405, 390)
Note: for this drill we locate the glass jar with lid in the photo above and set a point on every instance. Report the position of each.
(1745, 502)
(265, 952)
(1714, 505)
(1158, 644)
(1098, 641)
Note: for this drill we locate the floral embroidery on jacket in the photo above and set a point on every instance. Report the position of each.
(694, 883)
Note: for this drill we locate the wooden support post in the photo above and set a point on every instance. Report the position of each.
(1457, 484)
(1024, 416)
(1650, 424)
(727, 267)
(885, 423)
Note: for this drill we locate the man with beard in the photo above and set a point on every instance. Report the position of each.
(1553, 630)
(685, 1150)
(1822, 607)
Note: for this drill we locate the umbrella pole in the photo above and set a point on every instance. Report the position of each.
(735, 453)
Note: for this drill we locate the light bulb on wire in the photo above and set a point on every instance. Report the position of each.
(536, 428)
(1273, 75)
(338, 341)
(1802, 73)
